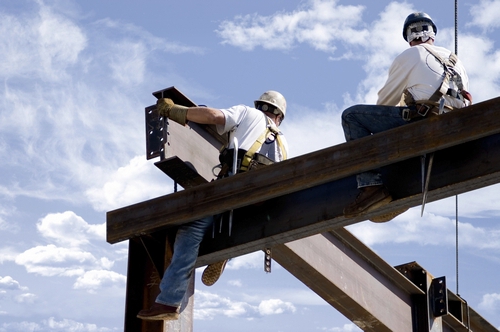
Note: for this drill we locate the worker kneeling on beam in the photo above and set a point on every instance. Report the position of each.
(258, 141)
(423, 81)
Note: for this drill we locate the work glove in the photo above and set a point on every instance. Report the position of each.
(467, 96)
(174, 112)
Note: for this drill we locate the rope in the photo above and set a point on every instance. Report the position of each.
(456, 27)
(456, 238)
(456, 196)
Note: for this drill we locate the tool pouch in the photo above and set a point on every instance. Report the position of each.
(259, 161)
(226, 158)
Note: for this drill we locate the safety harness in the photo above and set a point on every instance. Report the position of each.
(450, 74)
(250, 154)
(422, 107)
(250, 159)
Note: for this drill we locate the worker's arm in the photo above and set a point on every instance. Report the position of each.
(181, 114)
(391, 92)
(206, 115)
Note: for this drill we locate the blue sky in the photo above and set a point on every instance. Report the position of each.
(76, 78)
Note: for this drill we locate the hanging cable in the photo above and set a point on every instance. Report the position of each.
(456, 196)
(456, 27)
(456, 238)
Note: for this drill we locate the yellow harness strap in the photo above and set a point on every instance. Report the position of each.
(270, 128)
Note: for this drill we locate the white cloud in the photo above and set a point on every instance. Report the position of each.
(484, 82)
(55, 261)
(8, 282)
(484, 14)
(378, 56)
(480, 203)
(21, 327)
(5, 225)
(51, 41)
(106, 263)
(79, 127)
(60, 40)
(346, 328)
(209, 305)
(248, 261)
(298, 296)
(490, 302)
(26, 298)
(69, 230)
(96, 279)
(53, 325)
(8, 254)
(429, 229)
(69, 325)
(275, 307)
(156, 43)
(133, 183)
(128, 62)
(235, 283)
(319, 23)
(327, 129)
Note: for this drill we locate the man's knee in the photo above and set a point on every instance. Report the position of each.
(351, 112)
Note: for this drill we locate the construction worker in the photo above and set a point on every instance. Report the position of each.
(418, 79)
(259, 142)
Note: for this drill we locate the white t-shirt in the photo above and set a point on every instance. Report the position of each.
(248, 124)
(421, 73)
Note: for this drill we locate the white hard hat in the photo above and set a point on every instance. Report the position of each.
(273, 98)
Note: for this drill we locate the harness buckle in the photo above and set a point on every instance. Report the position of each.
(427, 108)
(405, 114)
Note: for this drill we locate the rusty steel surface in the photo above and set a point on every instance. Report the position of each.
(309, 171)
(373, 296)
(304, 208)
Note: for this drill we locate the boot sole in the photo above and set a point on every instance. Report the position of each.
(168, 316)
(372, 207)
(388, 216)
(213, 272)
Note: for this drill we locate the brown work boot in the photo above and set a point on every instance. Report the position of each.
(213, 272)
(388, 216)
(369, 198)
(159, 311)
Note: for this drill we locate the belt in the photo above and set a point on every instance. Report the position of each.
(418, 111)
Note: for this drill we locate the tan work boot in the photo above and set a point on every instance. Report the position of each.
(369, 198)
(213, 272)
(159, 311)
(388, 216)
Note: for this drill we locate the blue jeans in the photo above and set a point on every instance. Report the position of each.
(363, 120)
(175, 280)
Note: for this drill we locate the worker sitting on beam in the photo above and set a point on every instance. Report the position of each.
(420, 79)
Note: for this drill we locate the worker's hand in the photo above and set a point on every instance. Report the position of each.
(467, 96)
(164, 105)
(168, 109)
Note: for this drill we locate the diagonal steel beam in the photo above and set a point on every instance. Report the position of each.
(367, 290)
(352, 279)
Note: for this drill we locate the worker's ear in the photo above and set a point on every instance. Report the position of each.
(277, 120)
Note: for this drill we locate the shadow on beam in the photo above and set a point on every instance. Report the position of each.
(456, 170)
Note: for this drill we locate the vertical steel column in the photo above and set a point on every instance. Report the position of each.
(148, 259)
(427, 309)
